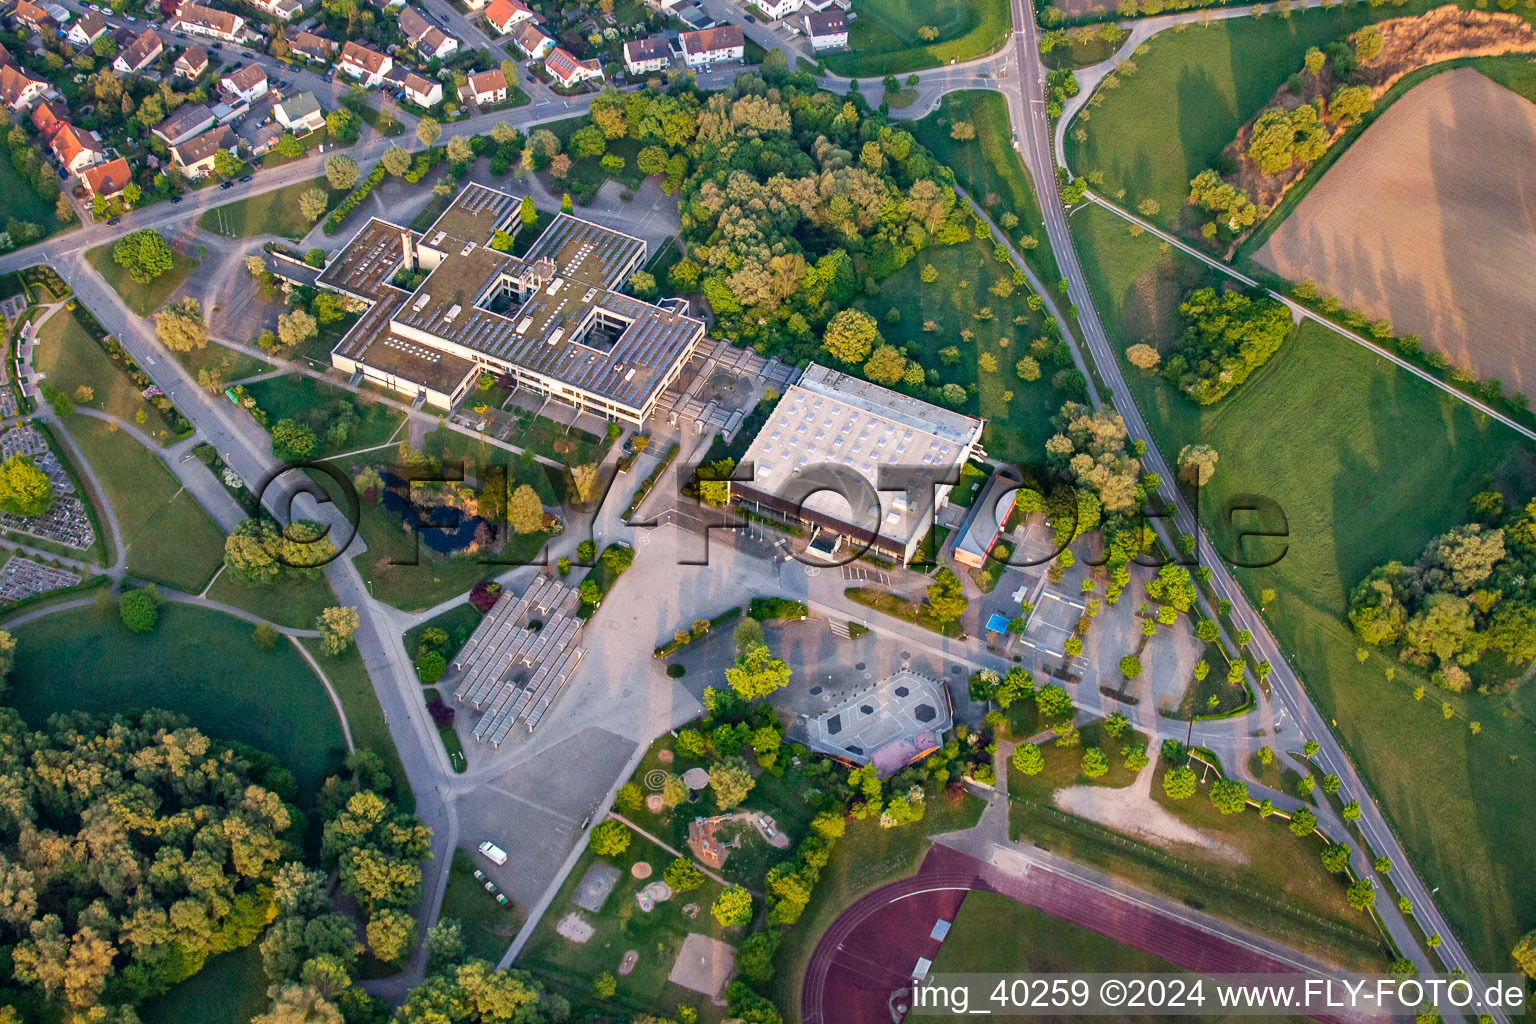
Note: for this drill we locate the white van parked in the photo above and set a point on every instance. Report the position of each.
(493, 853)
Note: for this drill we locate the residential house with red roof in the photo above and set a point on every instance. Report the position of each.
(75, 148)
(18, 91)
(647, 56)
(191, 64)
(88, 28)
(207, 21)
(367, 65)
(713, 45)
(194, 158)
(533, 43)
(106, 180)
(504, 15)
(424, 92)
(247, 84)
(568, 71)
(485, 89)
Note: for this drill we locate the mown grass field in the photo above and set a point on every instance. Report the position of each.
(230, 989)
(488, 927)
(349, 678)
(168, 536)
(22, 200)
(71, 358)
(294, 602)
(228, 363)
(1018, 412)
(196, 662)
(1190, 93)
(143, 299)
(270, 213)
(1367, 463)
(988, 166)
(884, 40)
(297, 396)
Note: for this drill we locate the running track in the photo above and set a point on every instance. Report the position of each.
(872, 947)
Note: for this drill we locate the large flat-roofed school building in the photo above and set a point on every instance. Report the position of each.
(554, 318)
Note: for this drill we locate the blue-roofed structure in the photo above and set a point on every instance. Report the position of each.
(553, 318)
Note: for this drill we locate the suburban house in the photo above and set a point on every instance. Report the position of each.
(504, 15)
(695, 17)
(713, 45)
(186, 122)
(429, 40)
(48, 118)
(555, 319)
(827, 30)
(568, 71)
(140, 54)
(830, 426)
(776, 9)
(194, 158)
(282, 10)
(205, 21)
(265, 140)
(367, 66)
(29, 15)
(662, 6)
(424, 92)
(485, 89)
(87, 30)
(248, 83)
(533, 43)
(76, 149)
(106, 180)
(19, 92)
(310, 46)
(474, 5)
(191, 64)
(301, 114)
(647, 56)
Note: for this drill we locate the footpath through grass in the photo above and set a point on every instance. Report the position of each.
(884, 39)
(270, 213)
(303, 398)
(349, 678)
(988, 166)
(168, 536)
(294, 602)
(196, 662)
(1192, 90)
(1366, 462)
(143, 299)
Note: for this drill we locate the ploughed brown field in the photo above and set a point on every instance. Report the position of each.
(1429, 220)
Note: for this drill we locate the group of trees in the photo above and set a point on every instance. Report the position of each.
(1227, 335)
(135, 847)
(1092, 450)
(1471, 591)
(143, 254)
(25, 489)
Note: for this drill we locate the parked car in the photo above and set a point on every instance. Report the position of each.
(130, 19)
(751, 19)
(246, 178)
(175, 200)
(501, 898)
(490, 886)
(493, 853)
(479, 875)
(227, 184)
(113, 220)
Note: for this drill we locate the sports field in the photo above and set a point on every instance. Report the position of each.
(1425, 221)
(884, 39)
(1367, 462)
(1190, 93)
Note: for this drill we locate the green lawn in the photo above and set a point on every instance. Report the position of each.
(169, 537)
(567, 968)
(1191, 92)
(1367, 462)
(229, 364)
(270, 213)
(988, 166)
(143, 299)
(866, 857)
(884, 39)
(488, 926)
(1017, 425)
(197, 662)
(1063, 765)
(311, 401)
(71, 358)
(294, 602)
(22, 200)
(230, 989)
(349, 678)
(458, 622)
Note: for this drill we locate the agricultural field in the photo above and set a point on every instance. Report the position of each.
(988, 166)
(86, 659)
(1191, 91)
(270, 213)
(1018, 412)
(1367, 462)
(1415, 224)
(884, 40)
